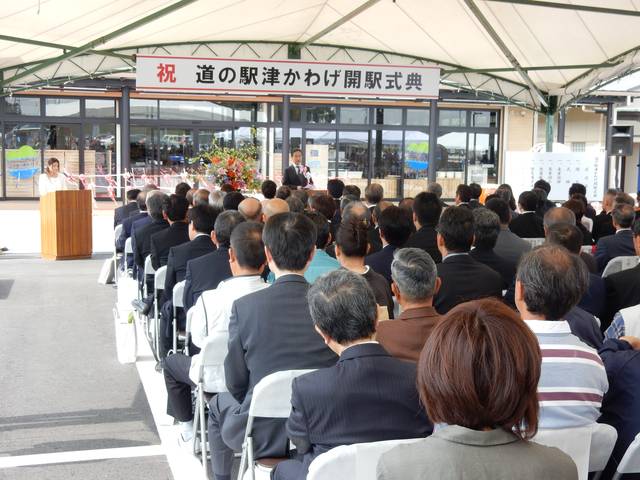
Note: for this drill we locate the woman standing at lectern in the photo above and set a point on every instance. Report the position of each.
(51, 180)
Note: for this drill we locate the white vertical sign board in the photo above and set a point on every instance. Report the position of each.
(523, 169)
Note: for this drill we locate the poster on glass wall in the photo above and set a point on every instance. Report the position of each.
(294, 77)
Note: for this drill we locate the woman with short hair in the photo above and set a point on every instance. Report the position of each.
(477, 378)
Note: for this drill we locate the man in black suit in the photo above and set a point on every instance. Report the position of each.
(486, 225)
(206, 272)
(373, 195)
(269, 331)
(141, 238)
(335, 188)
(543, 188)
(426, 213)
(343, 309)
(463, 277)
(174, 211)
(623, 288)
(127, 223)
(394, 225)
(528, 224)
(297, 175)
(603, 223)
(621, 243)
(201, 223)
(463, 195)
(476, 193)
(125, 211)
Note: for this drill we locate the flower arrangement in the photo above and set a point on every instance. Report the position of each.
(228, 166)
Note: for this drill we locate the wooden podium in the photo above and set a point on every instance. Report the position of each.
(65, 225)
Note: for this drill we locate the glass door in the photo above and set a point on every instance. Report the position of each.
(320, 155)
(451, 159)
(23, 159)
(353, 158)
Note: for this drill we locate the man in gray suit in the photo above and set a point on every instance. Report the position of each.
(508, 246)
(269, 331)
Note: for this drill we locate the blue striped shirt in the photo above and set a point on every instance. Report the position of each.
(573, 379)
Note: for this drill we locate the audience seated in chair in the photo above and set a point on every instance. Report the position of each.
(200, 197)
(542, 189)
(619, 244)
(603, 223)
(251, 209)
(508, 245)
(211, 314)
(174, 211)
(268, 189)
(182, 189)
(269, 331)
(130, 208)
(549, 283)
(578, 208)
(463, 277)
(426, 213)
(127, 224)
(476, 193)
(621, 404)
(202, 220)
(143, 229)
(205, 272)
(415, 282)
(273, 207)
(322, 263)
(463, 195)
(323, 414)
(564, 216)
(394, 226)
(486, 228)
(528, 224)
(477, 377)
(569, 236)
(373, 195)
(623, 288)
(351, 247)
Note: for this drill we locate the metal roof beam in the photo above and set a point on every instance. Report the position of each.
(505, 50)
(99, 41)
(571, 6)
(58, 46)
(354, 13)
(533, 69)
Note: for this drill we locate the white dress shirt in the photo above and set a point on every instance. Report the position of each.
(212, 311)
(48, 184)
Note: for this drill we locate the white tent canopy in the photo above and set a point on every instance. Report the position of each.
(520, 51)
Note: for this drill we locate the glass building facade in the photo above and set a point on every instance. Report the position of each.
(387, 144)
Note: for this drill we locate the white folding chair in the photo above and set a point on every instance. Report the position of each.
(116, 256)
(148, 270)
(210, 380)
(631, 317)
(178, 292)
(128, 250)
(355, 462)
(630, 462)
(534, 242)
(159, 277)
(271, 399)
(619, 264)
(586, 249)
(589, 447)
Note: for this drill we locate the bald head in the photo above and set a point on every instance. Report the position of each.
(273, 207)
(558, 215)
(251, 209)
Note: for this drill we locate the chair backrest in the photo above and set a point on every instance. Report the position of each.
(355, 462)
(128, 247)
(535, 242)
(630, 463)
(619, 264)
(603, 439)
(116, 232)
(148, 266)
(212, 355)
(631, 317)
(272, 395)
(590, 446)
(178, 293)
(159, 277)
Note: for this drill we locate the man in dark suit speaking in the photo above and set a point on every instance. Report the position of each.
(324, 413)
(269, 331)
(297, 175)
